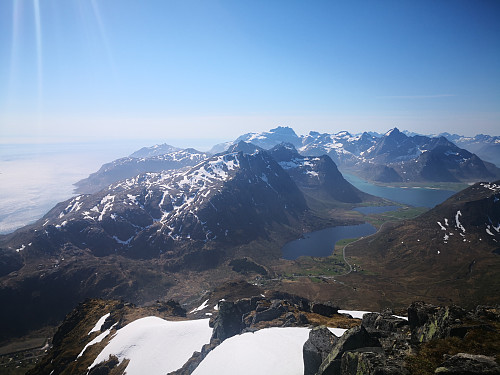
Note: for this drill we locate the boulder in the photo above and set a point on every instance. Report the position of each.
(383, 322)
(325, 309)
(228, 321)
(320, 343)
(354, 338)
(429, 322)
(364, 363)
(468, 364)
(268, 315)
(488, 312)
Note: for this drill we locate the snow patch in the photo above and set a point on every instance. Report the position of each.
(96, 340)
(354, 313)
(457, 221)
(156, 346)
(337, 331)
(276, 351)
(203, 306)
(99, 323)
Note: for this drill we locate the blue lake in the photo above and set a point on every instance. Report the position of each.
(418, 197)
(322, 242)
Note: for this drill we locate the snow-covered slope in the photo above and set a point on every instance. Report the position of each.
(276, 351)
(156, 346)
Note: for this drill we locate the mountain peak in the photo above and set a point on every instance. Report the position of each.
(283, 130)
(245, 147)
(393, 132)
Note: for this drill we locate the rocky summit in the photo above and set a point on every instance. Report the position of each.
(430, 340)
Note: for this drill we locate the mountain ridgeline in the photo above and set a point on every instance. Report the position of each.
(391, 157)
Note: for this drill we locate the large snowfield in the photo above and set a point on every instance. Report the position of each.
(268, 351)
(157, 346)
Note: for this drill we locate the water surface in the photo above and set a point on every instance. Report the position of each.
(418, 197)
(322, 242)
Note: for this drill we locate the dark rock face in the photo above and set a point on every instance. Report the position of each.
(365, 362)
(229, 320)
(10, 261)
(428, 322)
(320, 343)
(355, 338)
(104, 368)
(315, 175)
(325, 309)
(250, 314)
(385, 344)
(468, 364)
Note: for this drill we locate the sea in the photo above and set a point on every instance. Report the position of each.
(35, 177)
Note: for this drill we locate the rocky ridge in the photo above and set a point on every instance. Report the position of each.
(432, 339)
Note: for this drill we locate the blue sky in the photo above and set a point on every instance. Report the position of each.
(167, 70)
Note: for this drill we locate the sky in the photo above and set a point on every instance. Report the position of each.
(164, 70)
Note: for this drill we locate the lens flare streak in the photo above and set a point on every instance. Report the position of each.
(38, 35)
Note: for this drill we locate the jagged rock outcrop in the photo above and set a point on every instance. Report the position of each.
(320, 343)
(326, 309)
(468, 364)
(250, 314)
(385, 344)
(355, 338)
(429, 321)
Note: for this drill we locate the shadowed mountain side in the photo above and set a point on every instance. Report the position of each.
(449, 254)
(317, 176)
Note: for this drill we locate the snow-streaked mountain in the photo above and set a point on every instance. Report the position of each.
(383, 158)
(487, 147)
(153, 161)
(391, 157)
(265, 140)
(230, 198)
(317, 175)
(156, 150)
(449, 253)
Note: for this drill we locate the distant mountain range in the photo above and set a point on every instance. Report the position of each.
(487, 147)
(392, 157)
